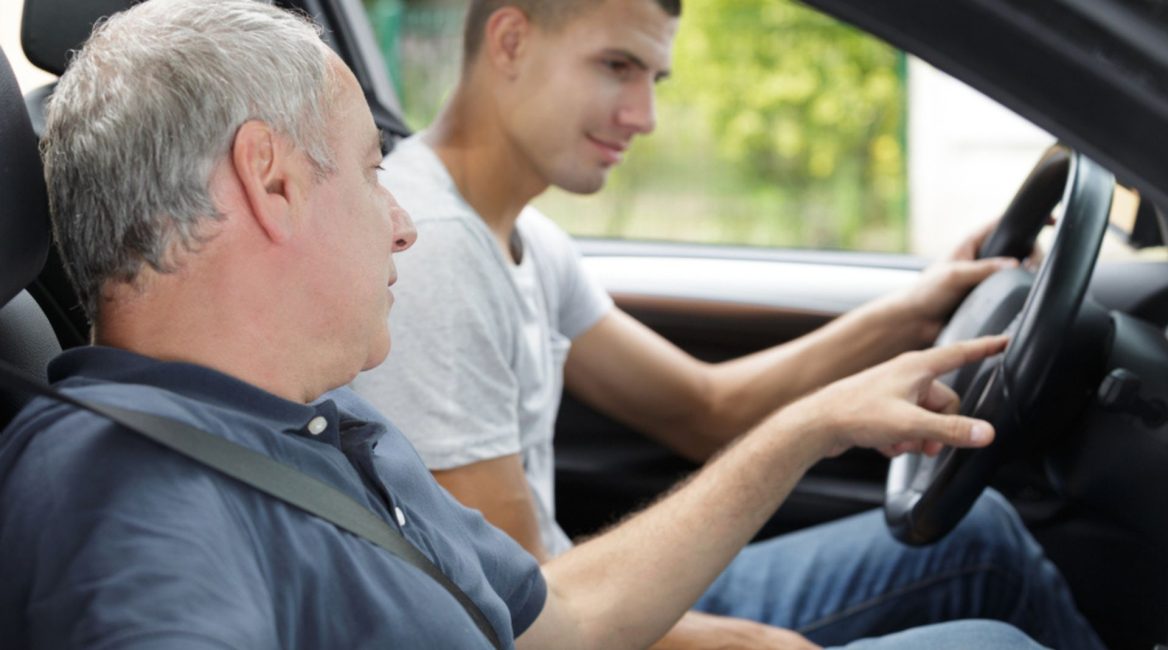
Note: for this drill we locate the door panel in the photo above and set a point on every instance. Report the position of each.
(717, 305)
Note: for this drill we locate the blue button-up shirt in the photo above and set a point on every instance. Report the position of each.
(109, 540)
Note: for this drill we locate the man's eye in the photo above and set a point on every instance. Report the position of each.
(617, 66)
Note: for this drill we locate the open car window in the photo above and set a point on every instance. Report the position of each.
(780, 127)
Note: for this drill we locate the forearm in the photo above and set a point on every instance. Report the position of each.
(684, 635)
(499, 490)
(627, 587)
(629, 583)
(690, 633)
(743, 391)
(750, 387)
(695, 407)
(701, 631)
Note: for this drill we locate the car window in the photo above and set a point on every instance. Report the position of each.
(779, 127)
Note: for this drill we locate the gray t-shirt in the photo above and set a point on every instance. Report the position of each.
(479, 342)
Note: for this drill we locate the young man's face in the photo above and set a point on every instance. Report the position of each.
(583, 91)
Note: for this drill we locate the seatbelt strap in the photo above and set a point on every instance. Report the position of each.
(266, 475)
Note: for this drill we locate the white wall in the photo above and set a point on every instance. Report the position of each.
(967, 155)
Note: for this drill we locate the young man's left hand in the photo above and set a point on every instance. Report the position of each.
(945, 284)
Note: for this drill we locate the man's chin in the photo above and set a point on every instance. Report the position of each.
(378, 353)
(584, 184)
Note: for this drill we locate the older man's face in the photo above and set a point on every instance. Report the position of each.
(354, 227)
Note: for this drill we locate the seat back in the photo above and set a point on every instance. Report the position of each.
(50, 31)
(26, 338)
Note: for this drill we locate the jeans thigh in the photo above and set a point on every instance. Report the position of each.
(851, 579)
(961, 635)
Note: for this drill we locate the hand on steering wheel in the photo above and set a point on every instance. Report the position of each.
(926, 496)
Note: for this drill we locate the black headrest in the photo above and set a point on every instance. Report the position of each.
(50, 29)
(24, 204)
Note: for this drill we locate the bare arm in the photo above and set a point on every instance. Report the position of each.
(700, 631)
(625, 588)
(498, 489)
(623, 368)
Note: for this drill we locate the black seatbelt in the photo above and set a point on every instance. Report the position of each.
(266, 475)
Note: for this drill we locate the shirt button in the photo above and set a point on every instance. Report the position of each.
(317, 425)
(401, 516)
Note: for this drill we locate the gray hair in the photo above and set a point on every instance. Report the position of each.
(150, 106)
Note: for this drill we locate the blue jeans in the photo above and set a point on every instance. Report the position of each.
(958, 635)
(850, 580)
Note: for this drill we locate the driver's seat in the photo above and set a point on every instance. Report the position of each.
(27, 340)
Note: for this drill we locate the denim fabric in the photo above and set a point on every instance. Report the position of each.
(850, 580)
(958, 635)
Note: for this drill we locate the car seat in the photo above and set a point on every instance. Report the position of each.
(27, 340)
(50, 31)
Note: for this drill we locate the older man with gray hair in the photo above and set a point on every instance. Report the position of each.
(213, 178)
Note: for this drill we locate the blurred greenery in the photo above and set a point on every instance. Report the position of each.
(779, 127)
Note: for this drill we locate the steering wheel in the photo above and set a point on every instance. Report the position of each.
(926, 497)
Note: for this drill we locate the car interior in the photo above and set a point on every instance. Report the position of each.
(1085, 399)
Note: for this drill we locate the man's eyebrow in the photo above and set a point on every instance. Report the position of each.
(638, 62)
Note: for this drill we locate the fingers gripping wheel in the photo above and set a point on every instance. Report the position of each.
(925, 497)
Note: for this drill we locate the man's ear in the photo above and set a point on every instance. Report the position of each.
(505, 38)
(262, 167)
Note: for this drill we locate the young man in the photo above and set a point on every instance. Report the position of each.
(212, 173)
(494, 297)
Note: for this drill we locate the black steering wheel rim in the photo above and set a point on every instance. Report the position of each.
(925, 498)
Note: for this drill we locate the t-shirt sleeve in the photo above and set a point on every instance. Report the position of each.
(448, 382)
(578, 299)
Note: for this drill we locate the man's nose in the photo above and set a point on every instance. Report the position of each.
(638, 112)
(404, 232)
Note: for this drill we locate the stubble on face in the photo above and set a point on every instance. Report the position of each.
(589, 91)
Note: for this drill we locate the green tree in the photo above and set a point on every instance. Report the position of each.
(779, 127)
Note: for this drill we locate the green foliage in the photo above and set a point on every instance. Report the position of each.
(778, 127)
(796, 93)
(421, 43)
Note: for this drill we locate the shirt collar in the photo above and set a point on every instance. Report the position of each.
(187, 379)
